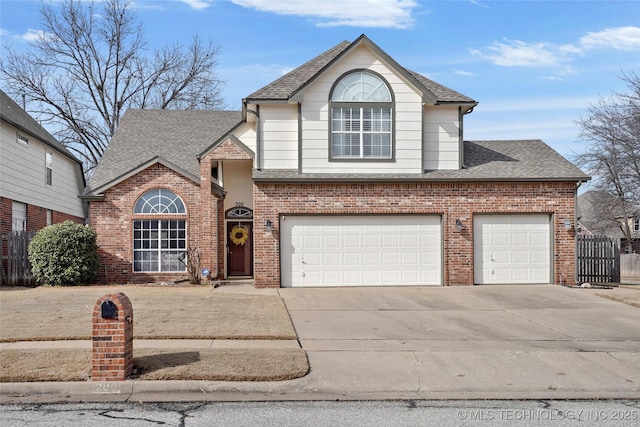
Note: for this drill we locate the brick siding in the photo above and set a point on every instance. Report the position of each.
(112, 219)
(451, 200)
(36, 216)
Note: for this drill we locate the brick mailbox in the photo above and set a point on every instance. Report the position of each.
(112, 338)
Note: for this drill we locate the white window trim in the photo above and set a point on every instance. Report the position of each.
(22, 139)
(18, 224)
(153, 205)
(160, 250)
(361, 99)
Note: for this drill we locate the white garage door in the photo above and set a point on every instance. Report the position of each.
(361, 250)
(511, 249)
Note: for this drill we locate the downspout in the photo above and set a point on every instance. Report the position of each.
(575, 228)
(299, 137)
(461, 115)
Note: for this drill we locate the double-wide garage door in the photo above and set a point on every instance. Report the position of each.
(512, 249)
(380, 250)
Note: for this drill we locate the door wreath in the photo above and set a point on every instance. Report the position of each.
(239, 235)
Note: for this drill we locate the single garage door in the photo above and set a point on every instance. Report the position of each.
(362, 250)
(512, 249)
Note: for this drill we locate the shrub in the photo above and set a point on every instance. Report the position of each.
(192, 263)
(64, 254)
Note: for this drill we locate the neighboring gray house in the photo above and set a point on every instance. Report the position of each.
(40, 180)
(599, 213)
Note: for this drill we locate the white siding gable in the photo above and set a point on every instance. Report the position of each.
(22, 174)
(279, 136)
(247, 135)
(315, 120)
(441, 138)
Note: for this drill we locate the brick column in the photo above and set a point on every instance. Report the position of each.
(112, 338)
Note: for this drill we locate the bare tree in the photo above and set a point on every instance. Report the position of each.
(85, 69)
(612, 134)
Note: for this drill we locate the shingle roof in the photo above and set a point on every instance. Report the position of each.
(602, 213)
(287, 85)
(283, 87)
(443, 93)
(524, 160)
(176, 136)
(12, 113)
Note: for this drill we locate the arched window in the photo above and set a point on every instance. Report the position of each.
(239, 212)
(361, 118)
(159, 201)
(160, 242)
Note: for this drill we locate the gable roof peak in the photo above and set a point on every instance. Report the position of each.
(292, 84)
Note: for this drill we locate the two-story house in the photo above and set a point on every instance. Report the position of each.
(348, 171)
(40, 180)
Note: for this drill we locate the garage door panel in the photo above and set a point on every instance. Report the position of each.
(361, 250)
(520, 257)
(512, 248)
(409, 259)
(351, 259)
(540, 275)
(370, 258)
(390, 259)
(540, 239)
(370, 241)
(390, 241)
(410, 241)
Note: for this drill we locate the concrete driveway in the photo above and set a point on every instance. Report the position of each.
(503, 342)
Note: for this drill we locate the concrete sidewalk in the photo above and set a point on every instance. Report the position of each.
(489, 342)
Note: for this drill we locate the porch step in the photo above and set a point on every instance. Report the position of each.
(233, 282)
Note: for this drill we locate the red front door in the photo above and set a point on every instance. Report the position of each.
(240, 248)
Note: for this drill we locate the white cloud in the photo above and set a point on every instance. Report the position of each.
(334, 13)
(517, 53)
(621, 38)
(463, 73)
(198, 4)
(32, 35)
(479, 3)
(558, 58)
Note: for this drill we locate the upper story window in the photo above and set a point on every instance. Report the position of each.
(361, 118)
(49, 168)
(636, 224)
(22, 139)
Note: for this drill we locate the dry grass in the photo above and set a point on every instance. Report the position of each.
(49, 314)
(157, 364)
(46, 314)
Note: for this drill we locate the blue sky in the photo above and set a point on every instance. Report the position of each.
(534, 66)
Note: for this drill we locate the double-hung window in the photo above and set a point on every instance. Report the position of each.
(160, 239)
(361, 118)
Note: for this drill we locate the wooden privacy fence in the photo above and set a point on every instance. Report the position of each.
(598, 259)
(630, 266)
(16, 269)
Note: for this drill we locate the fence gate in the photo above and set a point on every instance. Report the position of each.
(598, 259)
(16, 269)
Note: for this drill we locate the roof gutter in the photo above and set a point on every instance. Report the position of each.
(417, 179)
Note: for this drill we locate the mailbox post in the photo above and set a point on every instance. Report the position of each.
(112, 356)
